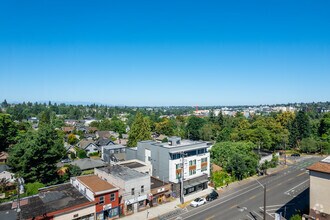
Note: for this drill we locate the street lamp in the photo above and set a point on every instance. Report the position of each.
(264, 187)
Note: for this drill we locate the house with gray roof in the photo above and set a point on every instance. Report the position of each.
(88, 163)
(88, 145)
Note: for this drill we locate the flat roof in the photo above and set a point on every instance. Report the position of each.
(133, 164)
(95, 183)
(156, 183)
(123, 172)
(113, 147)
(51, 199)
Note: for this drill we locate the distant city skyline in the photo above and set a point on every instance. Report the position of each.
(149, 53)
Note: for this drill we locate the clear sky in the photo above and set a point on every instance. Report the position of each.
(154, 52)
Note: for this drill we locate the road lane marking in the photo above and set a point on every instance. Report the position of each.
(209, 218)
(216, 204)
(287, 192)
(258, 214)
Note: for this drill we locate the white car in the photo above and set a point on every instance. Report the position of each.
(198, 202)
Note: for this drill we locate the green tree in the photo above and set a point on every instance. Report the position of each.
(74, 170)
(140, 130)
(166, 126)
(295, 217)
(299, 129)
(324, 126)
(8, 131)
(237, 158)
(72, 139)
(81, 154)
(35, 156)
(193, 127)
(309, 145)
(32, 188)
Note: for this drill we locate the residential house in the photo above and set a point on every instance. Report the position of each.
(68, 129)
(104, 142)
(62, 202)
(121, 141)
(319, 189)
(134, 186)
(103, 134)
(70, 122)
(6, 174)
(88, 145)
(88, 163)
(3, 157)
(174, 160)
(104, 195)
(113, 153)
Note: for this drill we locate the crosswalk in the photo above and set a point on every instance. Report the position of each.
(281, 209)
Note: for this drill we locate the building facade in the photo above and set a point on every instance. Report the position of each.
(104, 195)
(134, 186)
(320, 190)
(174, 160)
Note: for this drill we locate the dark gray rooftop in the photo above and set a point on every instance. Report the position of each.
(123, 172)
(49, 199)
(87, 163)
(3, 167)
(132, 164)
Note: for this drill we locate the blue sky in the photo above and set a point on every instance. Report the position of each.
(165, 52)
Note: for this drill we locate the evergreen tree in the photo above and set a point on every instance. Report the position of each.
(34, 158)
(8, 132)
(300, 128)
(140, 130)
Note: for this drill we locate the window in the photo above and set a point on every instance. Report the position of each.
(142, 189)
(192, 172)
(101, 200)
(178, 175)
(112, 197)
(178, 166)
(149, 158)
(132, 191)
(192, 163)
(204, 160)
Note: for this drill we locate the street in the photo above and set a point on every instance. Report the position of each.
(287, 190)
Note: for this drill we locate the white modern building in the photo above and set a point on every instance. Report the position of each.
(176, 158)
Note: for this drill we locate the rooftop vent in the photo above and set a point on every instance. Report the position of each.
(174, 141)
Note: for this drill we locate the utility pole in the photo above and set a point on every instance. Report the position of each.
(264, 202)
(284, 153)
(182, 174)
(264, 187)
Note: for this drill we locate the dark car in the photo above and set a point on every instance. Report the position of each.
(212, 196)
(295, 155)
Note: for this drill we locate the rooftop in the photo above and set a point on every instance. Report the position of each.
(88, 163)
(323, 166)
(133, 164)
(113, 147)
(51, 199)
(96, 184)
(123, 172)
(155, 183)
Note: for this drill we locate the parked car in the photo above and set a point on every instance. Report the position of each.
(198, 202)
(67, 160)
(212, 196)
(295, 155)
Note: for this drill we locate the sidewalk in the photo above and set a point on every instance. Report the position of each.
(157, 211)
(154, 212)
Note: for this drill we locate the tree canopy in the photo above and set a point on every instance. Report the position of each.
(35, 156)
(140, 130)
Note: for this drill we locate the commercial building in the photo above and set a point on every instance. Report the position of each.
(104, 195)
(175, 159)
(320, 189)
(134, 186)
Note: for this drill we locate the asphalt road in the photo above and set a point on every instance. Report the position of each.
(287, 191)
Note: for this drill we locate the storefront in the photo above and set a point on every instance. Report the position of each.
(135, 204)
(189, 186)
(108, 213)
